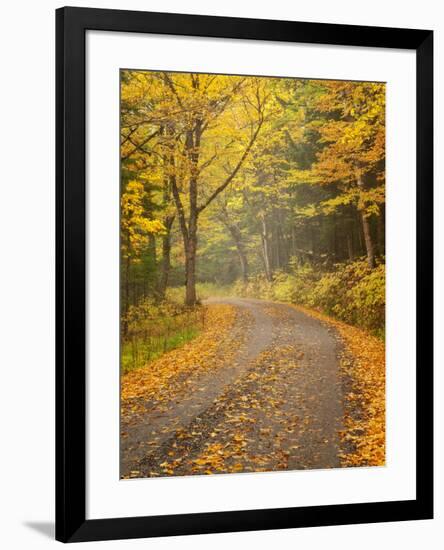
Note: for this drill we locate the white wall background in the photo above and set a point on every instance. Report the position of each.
(27, 272)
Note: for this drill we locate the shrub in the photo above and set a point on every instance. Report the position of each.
(351, 292)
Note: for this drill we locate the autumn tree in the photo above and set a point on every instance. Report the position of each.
(204, 126)
(136, 228)
(351, 128)
(248, 179)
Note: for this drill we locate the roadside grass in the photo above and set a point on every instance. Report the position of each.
(161, 330)
(155, 329)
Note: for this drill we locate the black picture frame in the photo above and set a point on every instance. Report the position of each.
(71, 27)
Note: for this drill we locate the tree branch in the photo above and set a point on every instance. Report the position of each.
(171, 86)
(179, 207)
(139, 147)
(235, 170)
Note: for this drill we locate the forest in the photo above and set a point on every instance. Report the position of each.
(259, 187)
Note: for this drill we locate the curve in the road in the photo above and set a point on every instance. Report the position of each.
(312, 391)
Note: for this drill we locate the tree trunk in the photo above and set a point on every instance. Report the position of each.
(276, 263)
(366, 230)
(283, 241)
(166, 258)
(192, 146)
(368, 240)
(293, 241)
(381, 233)
(190, 269)
(235, 233)
(265, 251)
(189, 230)
(152, 247)
(244, 265)
(351, 255)
(127, 292)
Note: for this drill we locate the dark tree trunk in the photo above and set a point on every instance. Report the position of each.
(350, 239)
(381, 233)
(236, 235)
(192, 145)
(166, 258)
(127, 294)
(283, 241)
(350, 252)
(168, 220)
(265, 249)
(366, 230)
(293, 241)
(190, 268)
(189, 230)
(152, 247)
(313, 244)
(368, 240)
(244, 265)
(237, 238)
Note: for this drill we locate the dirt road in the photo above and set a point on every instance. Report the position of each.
(274, 402)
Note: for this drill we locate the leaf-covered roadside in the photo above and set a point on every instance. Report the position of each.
(170, 392)
(163, 379)
(363, 369)
(151, 328)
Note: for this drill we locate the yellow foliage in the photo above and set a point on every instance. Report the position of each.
(135, 225)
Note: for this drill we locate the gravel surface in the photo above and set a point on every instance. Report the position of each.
(275, 403)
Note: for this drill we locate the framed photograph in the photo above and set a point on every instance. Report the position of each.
(244, 274)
